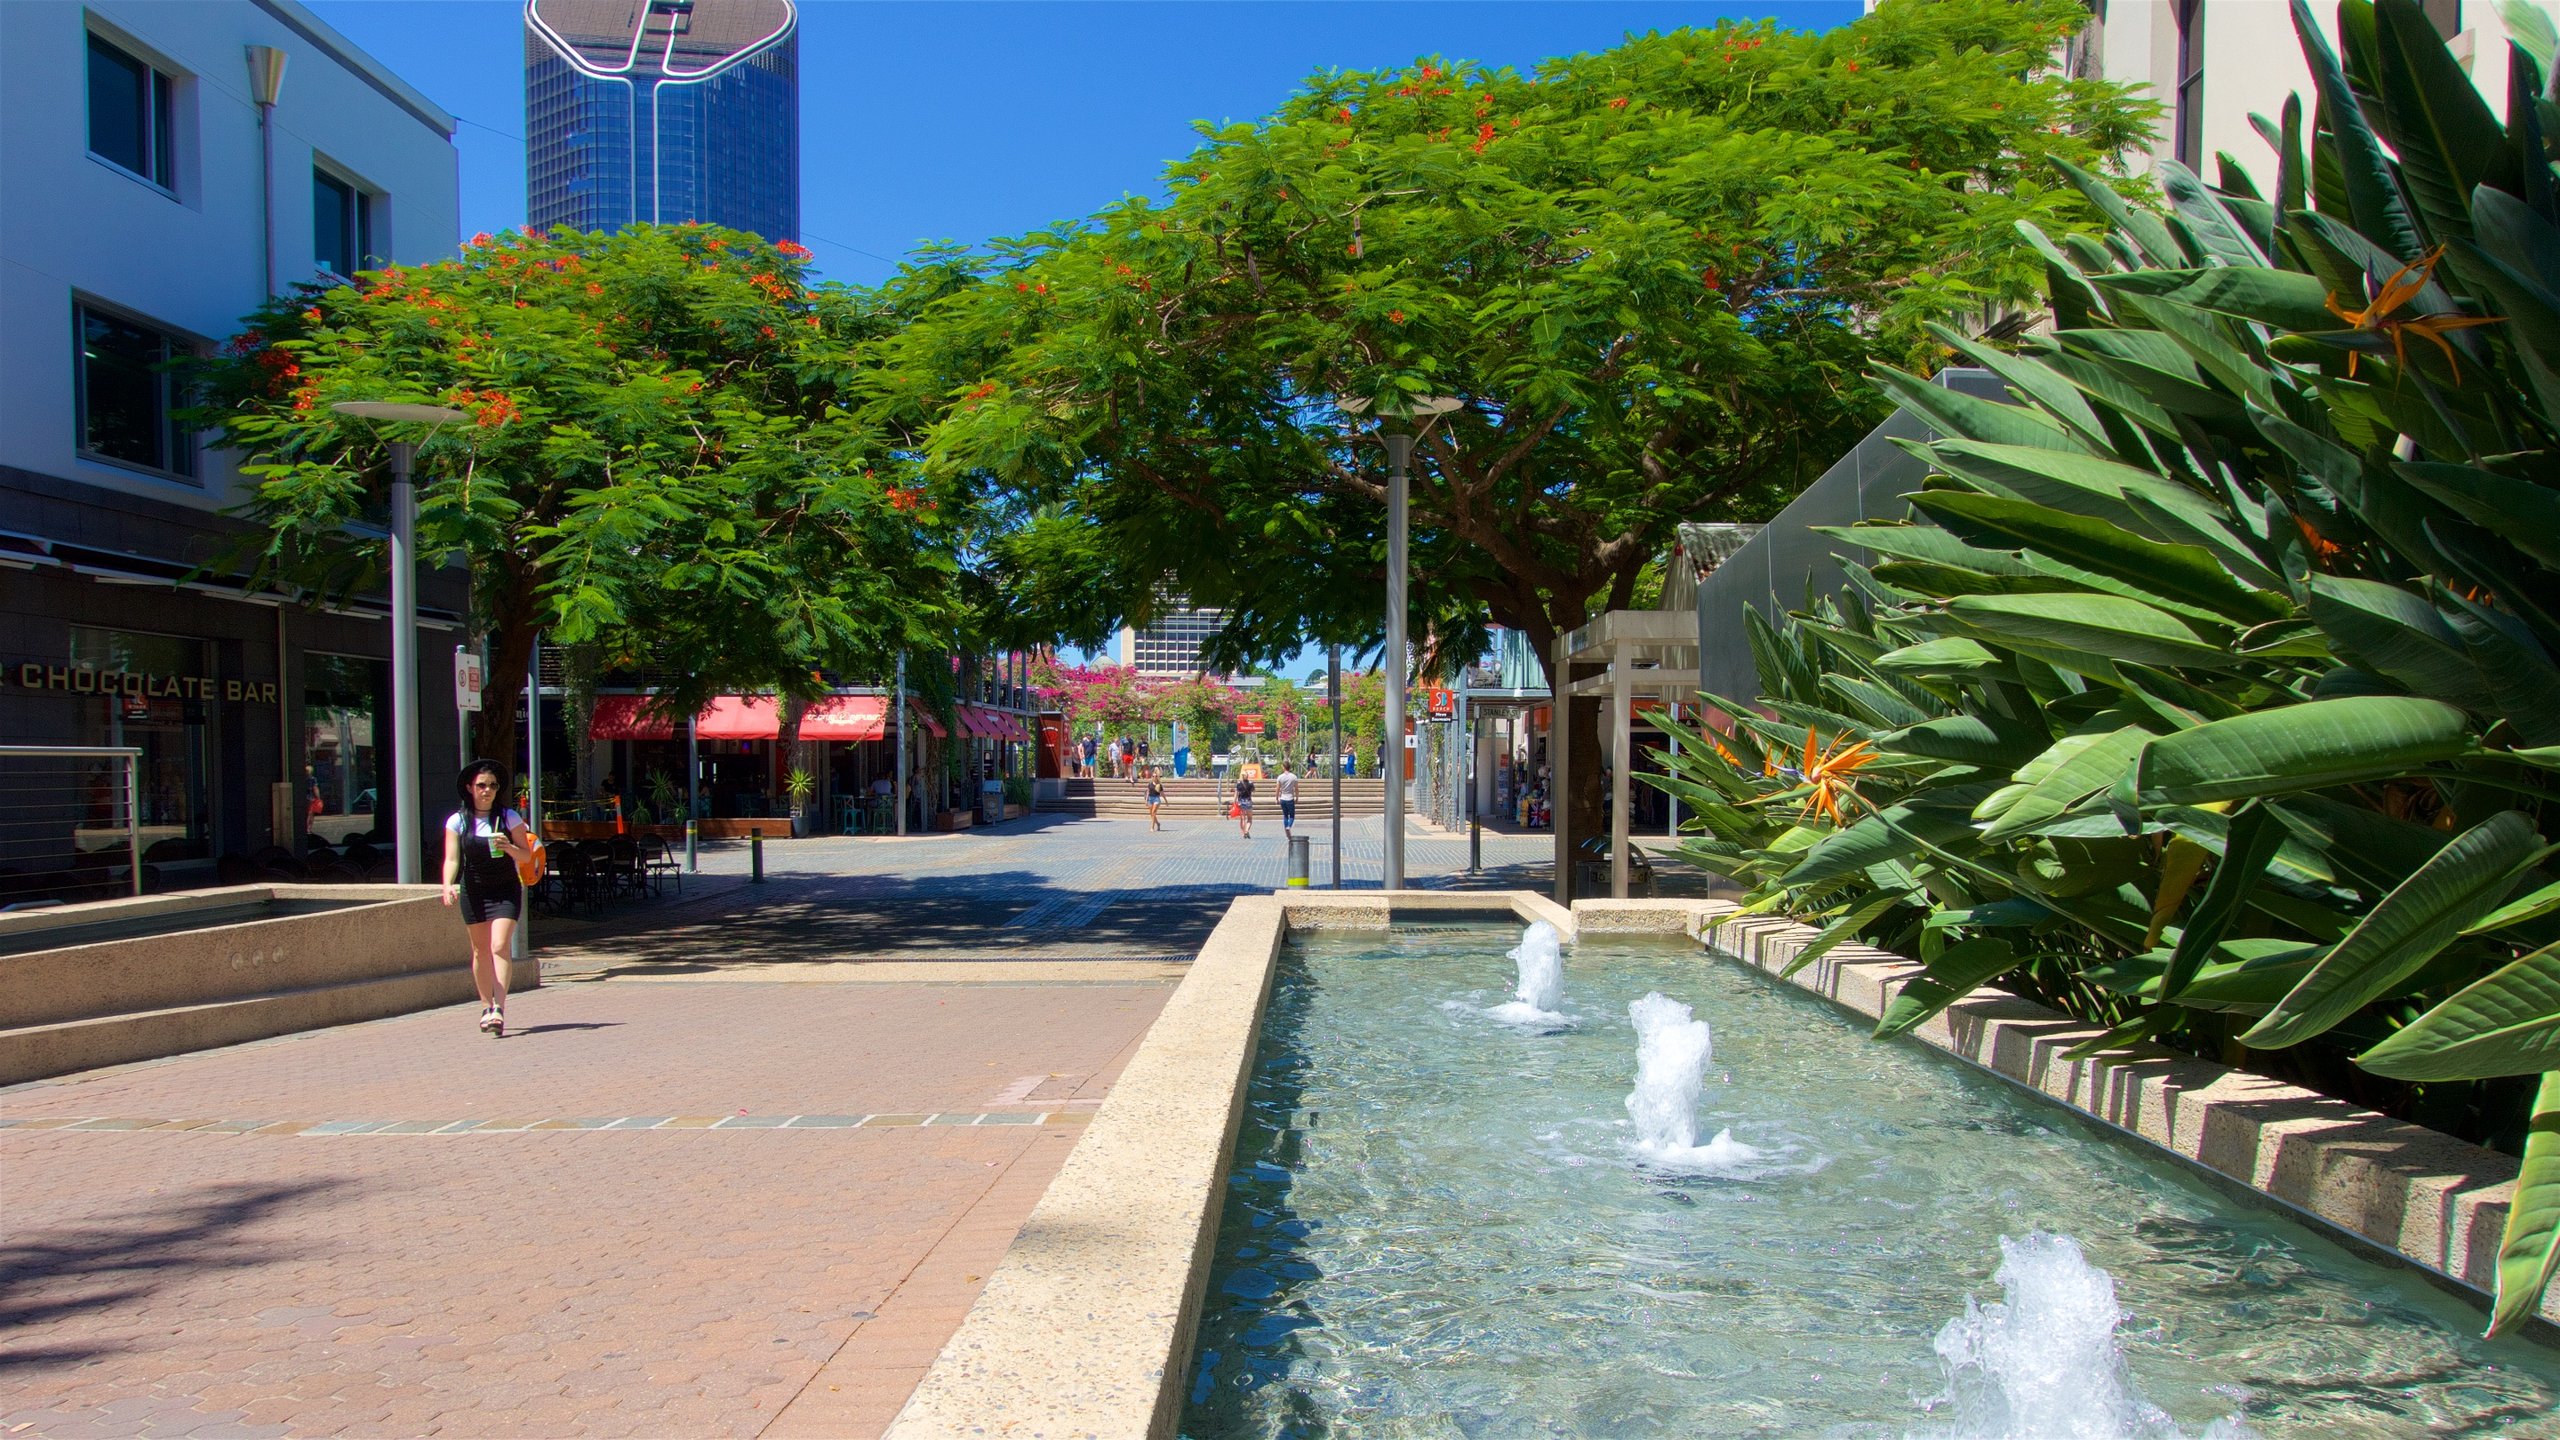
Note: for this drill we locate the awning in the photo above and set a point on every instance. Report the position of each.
(739, 717)
(619, 717)
(1014, 729)
(845, 717)
(925, 718)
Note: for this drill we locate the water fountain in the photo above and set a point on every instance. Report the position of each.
(1539, 999)
(2045, 1362)
(1672, 1050)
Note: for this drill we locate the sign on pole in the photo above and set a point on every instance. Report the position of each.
(1442, 704)
(1248, 724)
(466, 678)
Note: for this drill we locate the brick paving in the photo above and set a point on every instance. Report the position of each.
(740, 1169)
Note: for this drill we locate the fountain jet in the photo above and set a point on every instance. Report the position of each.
(1672, 1050)
(1540, 957)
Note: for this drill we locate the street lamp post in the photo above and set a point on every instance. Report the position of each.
(1417, 412)
(404, 621)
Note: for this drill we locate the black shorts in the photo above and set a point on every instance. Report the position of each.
(479, 909)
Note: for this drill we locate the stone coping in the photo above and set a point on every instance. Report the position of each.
(1085, 1327)
(2438, 1202)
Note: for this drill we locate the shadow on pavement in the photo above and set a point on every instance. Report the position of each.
(50, 1273)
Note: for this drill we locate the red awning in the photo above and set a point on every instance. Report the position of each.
(1014, 729)
(739, 717)
(925, 718)
(619, 717)
(845, 717)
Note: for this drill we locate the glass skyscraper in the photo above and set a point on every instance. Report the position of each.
(662, 110)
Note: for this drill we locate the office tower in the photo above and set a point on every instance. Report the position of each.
(662, 110)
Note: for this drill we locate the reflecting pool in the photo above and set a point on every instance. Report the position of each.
(1443, 1222)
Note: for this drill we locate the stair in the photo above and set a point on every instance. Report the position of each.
(1198, 797)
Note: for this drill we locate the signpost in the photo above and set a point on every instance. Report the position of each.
(467, 680)
(1442, 705)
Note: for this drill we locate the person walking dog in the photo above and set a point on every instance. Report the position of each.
(483, 841)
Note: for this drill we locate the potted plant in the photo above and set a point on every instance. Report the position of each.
(799, 785)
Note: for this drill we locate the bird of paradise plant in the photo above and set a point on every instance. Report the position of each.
(2402, 286)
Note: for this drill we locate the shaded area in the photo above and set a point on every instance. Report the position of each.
(48, 1274)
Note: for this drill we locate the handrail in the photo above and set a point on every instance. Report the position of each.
(132, 757)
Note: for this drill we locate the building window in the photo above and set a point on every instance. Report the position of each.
(172, 730)
(343, 700)
(2188, 144)
(131, 114)
(127, 397)
(341, 225)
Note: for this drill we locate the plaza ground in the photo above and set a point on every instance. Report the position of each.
(740, 1170)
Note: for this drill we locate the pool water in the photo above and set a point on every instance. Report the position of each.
(1440, 1225)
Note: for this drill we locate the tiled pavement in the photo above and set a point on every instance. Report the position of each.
(740, 1170)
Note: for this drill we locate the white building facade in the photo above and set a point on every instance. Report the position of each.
(144, 210)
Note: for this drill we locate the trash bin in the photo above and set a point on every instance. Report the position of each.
(1297, 862)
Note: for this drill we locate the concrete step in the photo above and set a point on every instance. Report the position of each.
(33, 1052)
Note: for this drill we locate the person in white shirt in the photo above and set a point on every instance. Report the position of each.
(1286, 788)
(483, 841)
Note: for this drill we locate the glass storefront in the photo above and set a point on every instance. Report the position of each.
(345, 702)
(172, 730)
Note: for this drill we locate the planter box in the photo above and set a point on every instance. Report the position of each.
(955, 819)
(125, 980)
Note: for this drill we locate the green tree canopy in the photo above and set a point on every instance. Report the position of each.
(663, 459)
(1653, 277)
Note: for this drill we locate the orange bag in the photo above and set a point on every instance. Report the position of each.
(1235, 811)
(531, 871)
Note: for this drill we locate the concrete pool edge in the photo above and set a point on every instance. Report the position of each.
(2437, 1202)
(1085, 1326)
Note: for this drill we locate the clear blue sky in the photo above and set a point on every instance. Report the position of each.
(966, 121)
(963, 121)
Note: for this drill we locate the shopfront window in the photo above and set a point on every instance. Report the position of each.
(149, 692)
(345, 704)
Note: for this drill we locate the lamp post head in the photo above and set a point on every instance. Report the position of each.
(266, 73)
(400, 412)
(1417, 411)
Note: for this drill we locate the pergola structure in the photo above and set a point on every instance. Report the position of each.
(1652, 653)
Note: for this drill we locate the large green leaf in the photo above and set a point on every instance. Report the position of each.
(2282, 299)
(2526, 513)
(1861, 914)
(2185, 573)
(2080, 766)
(1954, 657)
(2373, 193)
(2448, 140)
(1966, 966)
(1957, 415)
(1992, 741)
(2507, 1023)
(2310, 746)
(2070, 627)
(2255, 837)
(2393, 631)
(2465, 880)
(2530, 1248)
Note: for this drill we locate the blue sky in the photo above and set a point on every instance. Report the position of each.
(971, 119)
(963, 121)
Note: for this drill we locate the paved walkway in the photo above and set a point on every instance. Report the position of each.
(740, 1170)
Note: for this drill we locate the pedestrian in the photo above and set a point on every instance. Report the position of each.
(1155, 801)
(1128, 759)
(1286, 787)
(482, 843)
(1146, 759)
(1244, 805)
(1086, 749)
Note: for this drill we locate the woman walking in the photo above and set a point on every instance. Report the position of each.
(1155, 801)
(482, 843)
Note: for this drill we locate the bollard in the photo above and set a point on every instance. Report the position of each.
(1297, 862)
(692, 863)
(755, 858)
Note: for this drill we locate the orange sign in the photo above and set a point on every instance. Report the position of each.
(1443, 704)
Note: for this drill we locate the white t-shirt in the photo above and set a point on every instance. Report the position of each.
(507, 823)
(1286, 787)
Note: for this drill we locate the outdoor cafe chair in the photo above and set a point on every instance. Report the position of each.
(658, 861)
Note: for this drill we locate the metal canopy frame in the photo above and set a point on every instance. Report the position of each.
(1648, 652)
